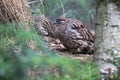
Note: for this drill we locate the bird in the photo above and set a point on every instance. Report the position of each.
(43, 25)
(74, 35)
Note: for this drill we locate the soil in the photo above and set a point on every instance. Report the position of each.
(56, 45)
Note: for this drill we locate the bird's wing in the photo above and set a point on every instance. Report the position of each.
(81, 31)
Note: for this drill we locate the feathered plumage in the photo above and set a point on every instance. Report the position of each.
(44, 25)
(74, 35)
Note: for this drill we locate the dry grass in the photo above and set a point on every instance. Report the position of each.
(14, 10)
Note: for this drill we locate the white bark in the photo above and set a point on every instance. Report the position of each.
(107, 39)
(111, 37)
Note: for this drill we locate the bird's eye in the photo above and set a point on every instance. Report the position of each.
(59, 21)
(62, 21)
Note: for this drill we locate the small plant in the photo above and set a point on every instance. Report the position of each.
(18, 61)
(83, 10)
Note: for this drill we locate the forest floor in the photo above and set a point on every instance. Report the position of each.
(55, 44)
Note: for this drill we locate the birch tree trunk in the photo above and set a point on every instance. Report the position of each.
(107, 39)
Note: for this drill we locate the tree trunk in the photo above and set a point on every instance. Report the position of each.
(107, 39)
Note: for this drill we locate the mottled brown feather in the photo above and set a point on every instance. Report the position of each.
(74, 35)
(41, 21)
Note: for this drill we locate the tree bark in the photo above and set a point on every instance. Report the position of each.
(107, 38)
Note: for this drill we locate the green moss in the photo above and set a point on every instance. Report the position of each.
(101, 18)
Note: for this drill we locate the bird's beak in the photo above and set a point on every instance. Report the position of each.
(54, 22)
